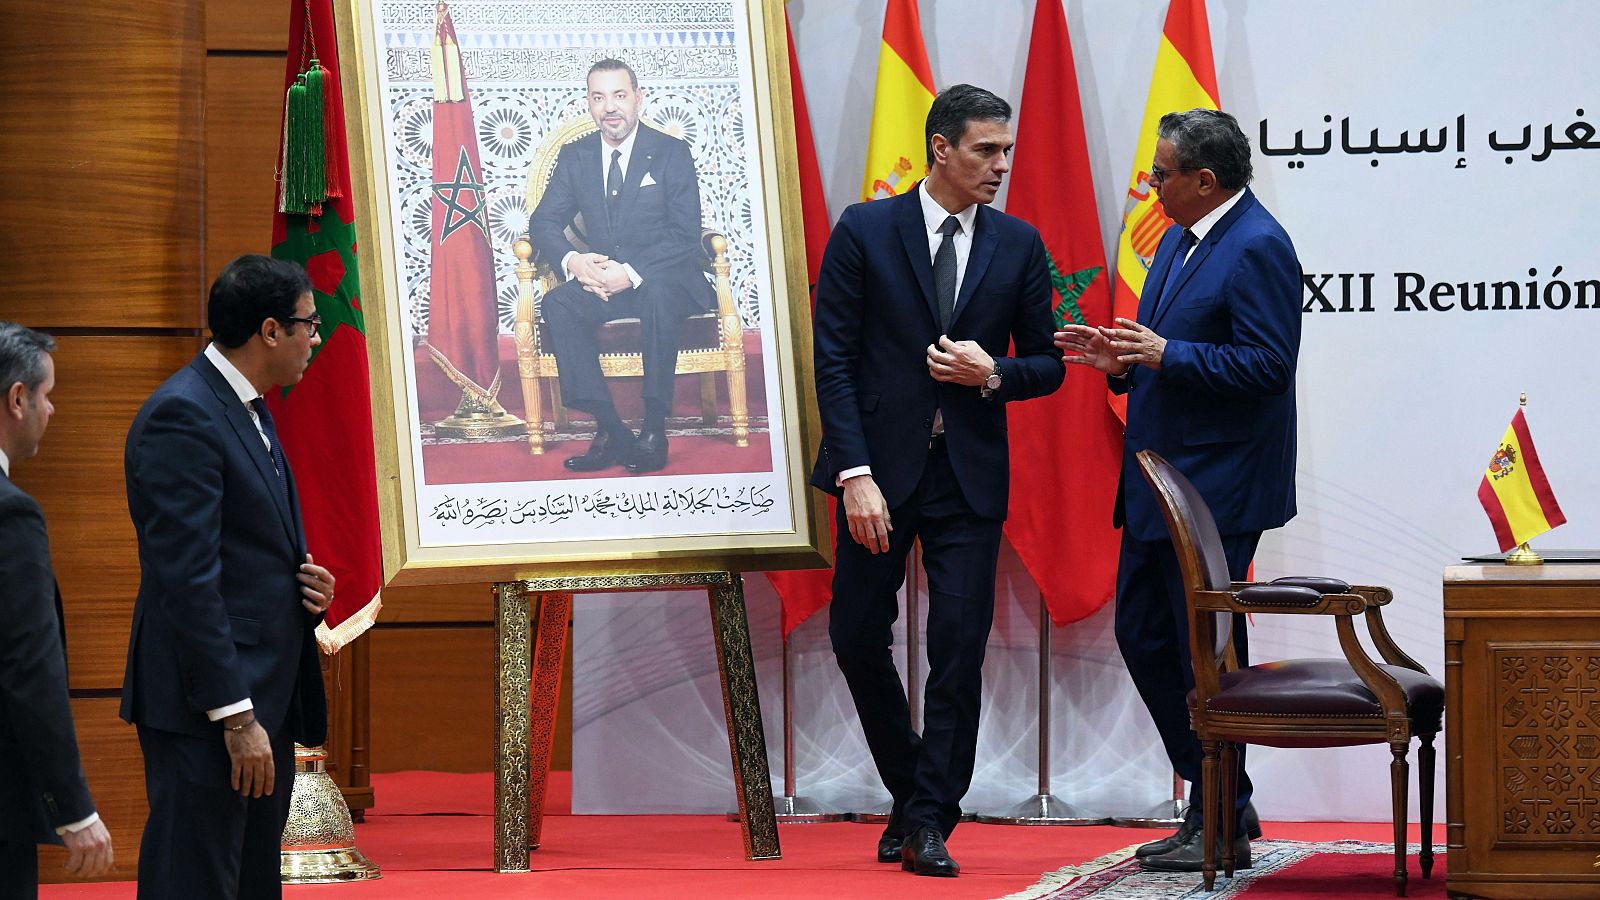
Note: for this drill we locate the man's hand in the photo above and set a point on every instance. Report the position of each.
(586, 268)
(867, 514)
(1086, 346)
(614, 279)
(251, 752)
(1135, 344)
(88, 851)
(316, 586)
(959, 362)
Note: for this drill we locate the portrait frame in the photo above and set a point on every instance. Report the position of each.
(711, 527)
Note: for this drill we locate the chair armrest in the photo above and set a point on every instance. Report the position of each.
(1316, 583)
(1282, 599)
(1238, 586)
(1375, 595)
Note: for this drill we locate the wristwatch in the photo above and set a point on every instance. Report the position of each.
(992, 383)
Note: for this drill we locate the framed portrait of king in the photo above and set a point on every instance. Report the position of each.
(583, 253)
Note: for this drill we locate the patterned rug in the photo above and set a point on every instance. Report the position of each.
(1117, 876)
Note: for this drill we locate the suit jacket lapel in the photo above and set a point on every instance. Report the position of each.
(914, 235)
(1201, 252)
(644, 150)
(984, 241)
(1155, 280)
(249, 438)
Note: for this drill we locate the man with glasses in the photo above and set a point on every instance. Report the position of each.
(223, 675)
(1208, 370)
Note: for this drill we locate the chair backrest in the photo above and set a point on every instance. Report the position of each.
(1201, 560)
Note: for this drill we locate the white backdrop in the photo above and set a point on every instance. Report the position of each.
(1399, 406)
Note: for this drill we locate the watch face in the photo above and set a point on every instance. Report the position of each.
(992, 382)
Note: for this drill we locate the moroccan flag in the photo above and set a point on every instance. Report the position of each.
(1515, 492)
(805, 591)
(1065, 448)
(462, 322)
(897, 155)
(1185, 78)
(325, 421)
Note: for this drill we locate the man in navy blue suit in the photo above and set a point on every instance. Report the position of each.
(919, 298)
(43, 794)
(1208, 370)
(223, 675)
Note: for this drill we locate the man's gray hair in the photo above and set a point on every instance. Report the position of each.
(22, 353)
(1209, 139)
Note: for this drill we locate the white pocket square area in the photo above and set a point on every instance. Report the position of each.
(648, 180)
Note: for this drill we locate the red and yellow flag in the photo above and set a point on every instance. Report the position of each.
(897, 155)
(1185, 78)
(1515, 492)
(1065, 448)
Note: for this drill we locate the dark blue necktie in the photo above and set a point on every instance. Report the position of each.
(1185, 244)
(614, 183)
(944, 272)
(279, 462)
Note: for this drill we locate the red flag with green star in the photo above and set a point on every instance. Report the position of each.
(325, 421)
(1065, 448)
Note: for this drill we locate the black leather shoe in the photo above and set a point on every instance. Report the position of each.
(924, 854)
(606, 450)
(649, 453)
(889, 848)
(1191, 824)
(1190, 855)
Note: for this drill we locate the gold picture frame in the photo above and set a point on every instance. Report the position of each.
(529, 538)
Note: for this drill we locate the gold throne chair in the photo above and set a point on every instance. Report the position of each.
(710, 343)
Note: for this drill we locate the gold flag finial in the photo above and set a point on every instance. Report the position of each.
(1524, 401)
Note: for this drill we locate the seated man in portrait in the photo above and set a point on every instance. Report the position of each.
(639, 199)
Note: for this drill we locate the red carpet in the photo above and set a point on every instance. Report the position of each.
(433, 834)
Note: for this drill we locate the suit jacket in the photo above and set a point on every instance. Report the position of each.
(875, 316)
(1221, 409)
(218, 616)
(41, 780)
(656, 228)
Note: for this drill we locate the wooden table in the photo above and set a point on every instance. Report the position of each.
(1522, 730)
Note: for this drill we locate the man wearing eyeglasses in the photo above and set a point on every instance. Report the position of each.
(223, 675)
(1208, 370)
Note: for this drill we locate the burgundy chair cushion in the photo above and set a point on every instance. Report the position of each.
(1322, 687)
(698, 332)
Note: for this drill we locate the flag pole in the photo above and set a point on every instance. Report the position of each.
(1044, 808)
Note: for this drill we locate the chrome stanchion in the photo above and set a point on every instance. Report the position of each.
(1166, 814)
(1044, 808)
(880, 815)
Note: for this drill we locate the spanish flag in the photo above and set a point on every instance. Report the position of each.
(1515, 492)
(897, 155)
(1185, 78)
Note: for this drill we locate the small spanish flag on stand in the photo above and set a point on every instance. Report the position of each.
(1515, 492)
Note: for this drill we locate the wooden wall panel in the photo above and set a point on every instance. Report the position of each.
(437, 603)
(102, 174)
(248, 25)
(432, 699)
(244, 108)
(77, 479)
(115, 768)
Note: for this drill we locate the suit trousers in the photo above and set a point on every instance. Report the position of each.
(1152, 627)
(574, 315)
(203, 838)
(926, 774)
(19, 869)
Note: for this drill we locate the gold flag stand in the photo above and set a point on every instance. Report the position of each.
(1524, 556)
(319, 841)
(474, 419)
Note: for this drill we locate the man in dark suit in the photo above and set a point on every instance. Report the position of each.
(637, 194)
(918, 299)
(1208, 370)
(43, 795)
(223, 675)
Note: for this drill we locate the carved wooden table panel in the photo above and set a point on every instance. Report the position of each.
(1522, 733)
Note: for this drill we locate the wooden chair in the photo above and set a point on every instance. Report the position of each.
(713, 341)
(1295, 702)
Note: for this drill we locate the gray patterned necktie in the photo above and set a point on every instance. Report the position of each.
(944, 271)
